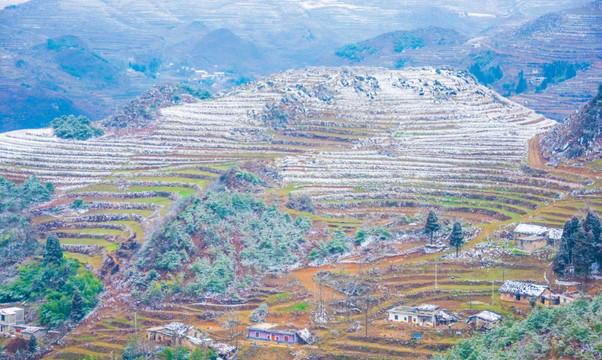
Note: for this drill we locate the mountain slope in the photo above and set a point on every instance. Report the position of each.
(148, 42)
(345, 128)
(580, 136)
(550, 64)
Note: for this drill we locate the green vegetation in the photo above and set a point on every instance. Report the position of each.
(401, 62)
(198, 93)
(559, 71)
(379, 232)
(522, 83)
(62, 43)
(213, 238)
(65, 288)
(336, 245)
(486, 74)
(570, 331)
(432, 224)
(300, 307)
(355, 53)
(580, 246)
(17, 239)
(72, 127)
(182, 353)
(456, 238)
(408, 41)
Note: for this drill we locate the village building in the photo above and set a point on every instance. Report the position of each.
(27, 331)
(10, 318)
(423, 315)
(281, 334)
(530, 237)
(176, 333)
(524, 292)
(485, 319)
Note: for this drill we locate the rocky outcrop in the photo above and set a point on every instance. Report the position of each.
(259, 314)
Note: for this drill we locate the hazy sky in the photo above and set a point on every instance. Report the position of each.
(5, 3)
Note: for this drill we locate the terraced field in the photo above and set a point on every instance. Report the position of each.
(364, 143)
(367, 145)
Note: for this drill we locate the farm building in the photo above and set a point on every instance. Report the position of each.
(485, 319)
(177, 333)
(27, 331)
(423, 315)
(522, 292)
(10, 318)
(282, 334)
(532, 237)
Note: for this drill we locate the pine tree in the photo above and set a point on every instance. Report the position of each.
(456, 238)
(592, 223)
(32, 346)
(583, 256)
(432, 224)
(53, 253)
(78, 310)
(564, 257)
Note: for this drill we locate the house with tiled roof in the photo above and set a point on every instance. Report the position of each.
(281, 334)
(525, 292)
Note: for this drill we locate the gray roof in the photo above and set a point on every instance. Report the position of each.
(489, 316)
(427, 307)
(522, 288)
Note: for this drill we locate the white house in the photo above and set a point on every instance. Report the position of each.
(11, 317)
(425, 314)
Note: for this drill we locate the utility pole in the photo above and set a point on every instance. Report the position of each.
(436, 287)
(470, 295)
(136, 326)
(492, 294)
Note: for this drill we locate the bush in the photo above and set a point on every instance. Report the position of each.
(76, 128)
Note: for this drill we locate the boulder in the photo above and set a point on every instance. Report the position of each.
(259, 314)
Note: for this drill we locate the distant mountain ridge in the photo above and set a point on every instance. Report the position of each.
(150, 41)
(551, 64)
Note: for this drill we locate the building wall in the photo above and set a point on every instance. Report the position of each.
(480, 323)
(268, 336)
(531, 245)
(415, 318)
(404, 317)
(512, 298)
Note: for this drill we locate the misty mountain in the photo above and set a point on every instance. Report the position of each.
(136, 45)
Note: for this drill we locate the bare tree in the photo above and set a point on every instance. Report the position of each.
(232, 323)
(367, 301)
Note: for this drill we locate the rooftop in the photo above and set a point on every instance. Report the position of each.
(415, 309)
(274, 327)
(10, 310)
(489, 316)
(522, 288)
(530, 229)
(427, 307)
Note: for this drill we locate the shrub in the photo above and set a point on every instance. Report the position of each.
(76, 128)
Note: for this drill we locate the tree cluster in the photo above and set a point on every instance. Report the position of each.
(65, 288)
(17, 240)
(74, 127)
(223, 241)
(580, 246)
(566, 332)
